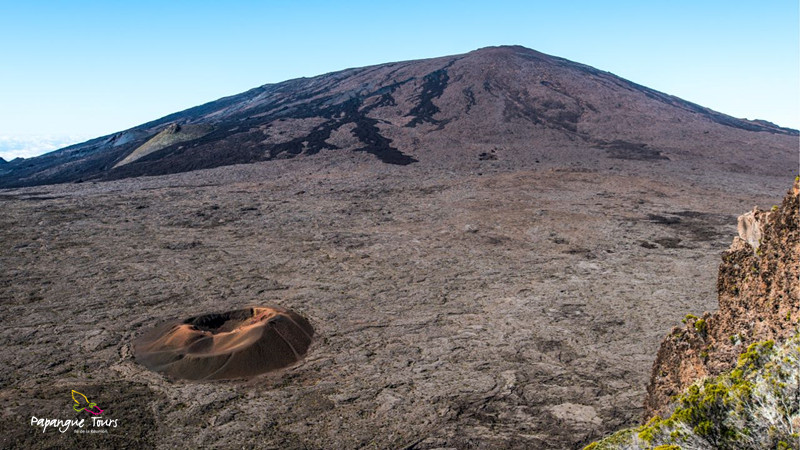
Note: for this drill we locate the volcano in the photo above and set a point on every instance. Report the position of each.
(479, 251)
(508, 103)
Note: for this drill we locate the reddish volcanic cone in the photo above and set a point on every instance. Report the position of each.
(234, 344)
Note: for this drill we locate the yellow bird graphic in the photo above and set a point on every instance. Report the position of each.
(83, 404)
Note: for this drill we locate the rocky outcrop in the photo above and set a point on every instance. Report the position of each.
(759, 299)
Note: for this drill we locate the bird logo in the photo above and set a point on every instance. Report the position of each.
(83, 404)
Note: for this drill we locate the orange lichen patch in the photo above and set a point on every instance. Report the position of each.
(234, 344)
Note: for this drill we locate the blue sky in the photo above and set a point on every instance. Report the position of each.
(88, 68)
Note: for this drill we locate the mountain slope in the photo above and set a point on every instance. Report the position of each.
(444, 110)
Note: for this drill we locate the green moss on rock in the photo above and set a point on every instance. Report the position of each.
(751, 407)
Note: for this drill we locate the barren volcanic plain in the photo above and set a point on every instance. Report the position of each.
(489, 250)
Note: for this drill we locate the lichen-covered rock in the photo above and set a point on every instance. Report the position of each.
(759, 299)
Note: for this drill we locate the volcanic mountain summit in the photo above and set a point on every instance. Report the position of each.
(487, 249)
(498, 102)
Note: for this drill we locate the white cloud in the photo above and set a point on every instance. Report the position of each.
(27, 146)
